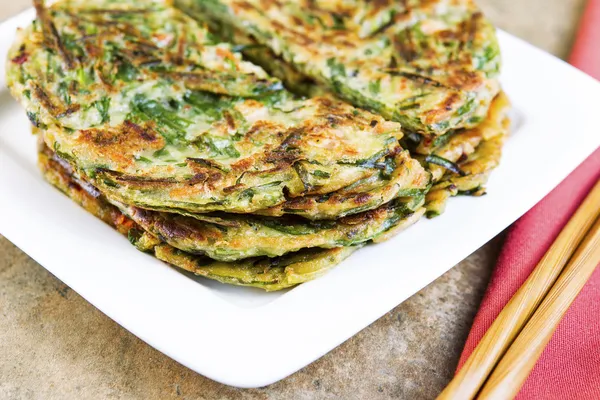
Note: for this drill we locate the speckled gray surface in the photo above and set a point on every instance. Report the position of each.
(53, 344)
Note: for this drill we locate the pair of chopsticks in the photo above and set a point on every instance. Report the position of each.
(504, 357)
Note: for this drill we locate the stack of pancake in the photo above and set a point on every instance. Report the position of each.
(166, 131)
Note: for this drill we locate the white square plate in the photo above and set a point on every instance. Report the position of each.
(247, 338)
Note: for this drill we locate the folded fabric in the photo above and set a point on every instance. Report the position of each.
(569, 367)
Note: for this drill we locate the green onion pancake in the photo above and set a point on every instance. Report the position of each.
(462, 166)
(231, 237)
(431, 65)
(159, 115)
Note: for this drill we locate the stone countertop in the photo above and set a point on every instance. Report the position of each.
(53, 344)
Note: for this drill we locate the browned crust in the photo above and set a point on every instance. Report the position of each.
(122, 143)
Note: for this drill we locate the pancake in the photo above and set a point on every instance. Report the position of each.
(431, 65)
(232, 237)
(158, 115)
(471, 155)
(270, 274)
(438, 154)
(406, 180)
(265, 273)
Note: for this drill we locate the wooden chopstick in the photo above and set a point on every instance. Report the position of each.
(469, 380)
(514, 367)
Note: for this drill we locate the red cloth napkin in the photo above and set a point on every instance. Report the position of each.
(569, 367)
